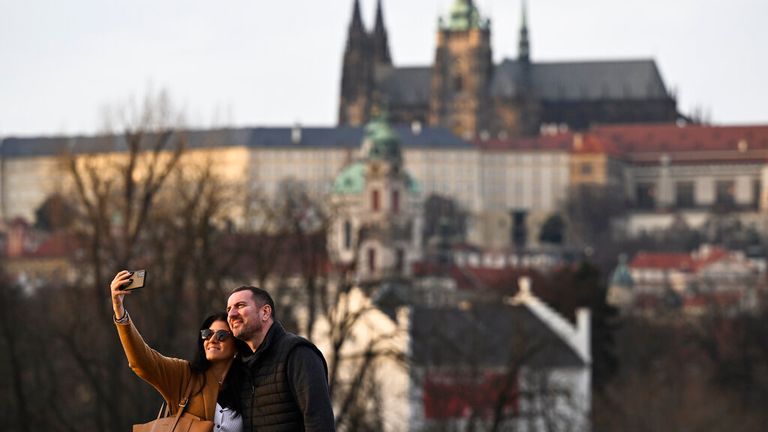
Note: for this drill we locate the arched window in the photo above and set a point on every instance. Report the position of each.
(395, 201)
(375, 200)
(458, 84)
(347, 234)
(399, 260)
(371, 260)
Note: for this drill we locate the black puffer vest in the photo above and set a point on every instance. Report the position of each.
(268, 404)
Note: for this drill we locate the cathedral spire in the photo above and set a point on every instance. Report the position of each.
(357, 20)
(380, 39)
(357, 72)
(524, 48)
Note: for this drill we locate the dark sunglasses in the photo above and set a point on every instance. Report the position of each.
(221, 335)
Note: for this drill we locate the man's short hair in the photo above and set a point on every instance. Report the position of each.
(260, 296)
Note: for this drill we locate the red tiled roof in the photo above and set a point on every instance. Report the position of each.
(557, 142)
(677, 261)
(472, 278)
(687, 144)
(651, 260)
(593, 143)
(721, 299)
(56, 246)
(449, 396)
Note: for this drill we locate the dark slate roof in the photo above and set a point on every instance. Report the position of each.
(48, 146)
(406, 85)
(312, 137)
(488, 335)
(573, 81)
(556, 81)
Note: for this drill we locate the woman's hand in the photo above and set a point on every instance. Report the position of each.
(121, 279)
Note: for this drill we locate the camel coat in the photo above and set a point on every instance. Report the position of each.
(168, 375)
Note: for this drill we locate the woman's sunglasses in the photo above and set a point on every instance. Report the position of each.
(221, 335)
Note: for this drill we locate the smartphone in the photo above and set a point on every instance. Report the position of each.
(139, 277)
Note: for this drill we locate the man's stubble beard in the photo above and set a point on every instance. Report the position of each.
(249, 331)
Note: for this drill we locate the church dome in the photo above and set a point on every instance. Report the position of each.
(381, 142)
(350, 180)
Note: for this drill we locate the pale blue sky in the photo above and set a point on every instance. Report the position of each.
(267, 63)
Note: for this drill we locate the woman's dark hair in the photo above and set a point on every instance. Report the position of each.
(229, 394)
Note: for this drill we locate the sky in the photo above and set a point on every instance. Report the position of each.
(64, 64)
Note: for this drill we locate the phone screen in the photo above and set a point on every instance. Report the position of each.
(139, 276)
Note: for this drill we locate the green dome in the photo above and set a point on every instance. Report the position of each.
(381, 142)
(350, 180)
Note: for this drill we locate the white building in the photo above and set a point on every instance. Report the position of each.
(443, 367)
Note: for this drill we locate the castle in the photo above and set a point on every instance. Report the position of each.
(464, 91)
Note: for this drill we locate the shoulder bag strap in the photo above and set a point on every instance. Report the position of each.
(184, 402)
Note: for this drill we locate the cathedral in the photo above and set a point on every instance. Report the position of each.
(464, 91)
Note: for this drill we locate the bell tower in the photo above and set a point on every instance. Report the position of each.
(462, 71)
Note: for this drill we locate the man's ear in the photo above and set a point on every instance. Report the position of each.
(268, 312)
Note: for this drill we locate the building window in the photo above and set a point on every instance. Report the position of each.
(347, 235)
(371, 260)
(375, 200)
(757, 190)
(646, 195)
(458, 84)
(519, 228)
(724, 193)
(684, 195)
(586, 169)
(395, 201)
(399, 260)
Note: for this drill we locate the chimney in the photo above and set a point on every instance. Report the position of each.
(296, 133)
(578, 142)
(583, 332)
(416, 127)
(524, 283)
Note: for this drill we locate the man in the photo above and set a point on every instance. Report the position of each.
(285, 385)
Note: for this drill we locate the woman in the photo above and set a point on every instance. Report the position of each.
(214, 396)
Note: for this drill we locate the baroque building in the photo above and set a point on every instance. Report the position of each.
(464, 91)
(377, 209)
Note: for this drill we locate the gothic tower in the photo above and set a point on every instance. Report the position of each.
(523, 44)
(357, 73)
(462, 71)
(528, 104)
(380, 40)
(364, 54)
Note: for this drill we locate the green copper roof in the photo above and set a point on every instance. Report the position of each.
(351, 179)
(412, 184)
(381, 142)
(463, 16)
